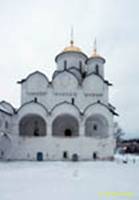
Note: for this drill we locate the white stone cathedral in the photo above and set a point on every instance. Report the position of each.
(67, 118)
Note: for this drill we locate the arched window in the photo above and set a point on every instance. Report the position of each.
(65, 126)
(32, 125)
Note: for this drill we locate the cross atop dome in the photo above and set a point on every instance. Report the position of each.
(72, 47)
(95, 54)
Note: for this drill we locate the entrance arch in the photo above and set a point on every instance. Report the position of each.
(65, 126)
(32, 125)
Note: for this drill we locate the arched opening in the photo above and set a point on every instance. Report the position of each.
(32, 125)
(65, 126)
(96, 126)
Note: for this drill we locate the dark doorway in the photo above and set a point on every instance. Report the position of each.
(39, 156)
(75, 157)
(68, 133)
(65, 154)
(94, 155)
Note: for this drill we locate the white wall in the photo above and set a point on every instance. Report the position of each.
(64, 87)
(53, 147)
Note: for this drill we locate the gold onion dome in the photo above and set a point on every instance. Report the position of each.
(72, 48)
(96, 55)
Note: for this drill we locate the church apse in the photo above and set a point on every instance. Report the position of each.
(32, 125)
(65, 126)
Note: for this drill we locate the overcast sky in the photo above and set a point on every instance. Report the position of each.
(33, 32)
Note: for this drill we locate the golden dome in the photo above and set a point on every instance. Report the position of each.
(72, 48)
(96, 55)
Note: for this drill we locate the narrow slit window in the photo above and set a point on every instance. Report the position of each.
(6, 124)
(80, 65)
(97, 69)
(65, 64)
(72, 101)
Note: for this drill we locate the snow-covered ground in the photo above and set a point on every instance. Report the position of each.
(68, 180)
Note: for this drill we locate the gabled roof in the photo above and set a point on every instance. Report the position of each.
(68, 103)
(36, 72)
(106, 106)
(58, 72)
(105, 81)
(30, 102)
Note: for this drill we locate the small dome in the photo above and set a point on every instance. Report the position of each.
(96, 55)
(72, 48)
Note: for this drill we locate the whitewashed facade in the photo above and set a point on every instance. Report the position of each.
(62, 118)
